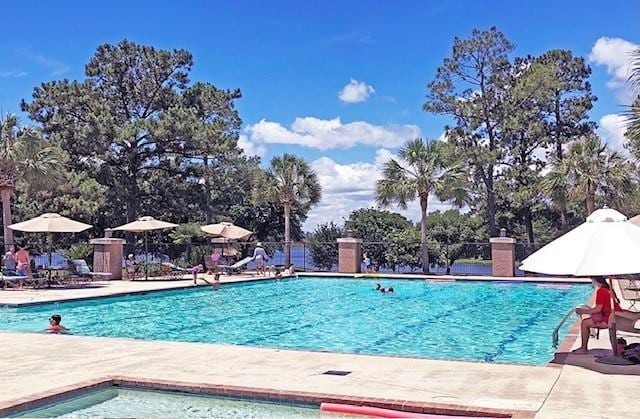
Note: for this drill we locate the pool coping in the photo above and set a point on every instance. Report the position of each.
(413, 277)
(43, 399)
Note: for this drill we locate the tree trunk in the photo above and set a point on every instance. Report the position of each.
(424, 251)
(562, 201)
(207, 193)
(6, 216)
(528, 225)
(491, 204)
(287, 234)
(591, 202)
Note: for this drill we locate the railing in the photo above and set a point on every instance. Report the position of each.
(386, 257)
(556, 332)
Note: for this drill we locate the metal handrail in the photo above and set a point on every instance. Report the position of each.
(556, 331)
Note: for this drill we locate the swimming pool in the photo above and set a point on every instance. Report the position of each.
(128, 403)
(464, 320)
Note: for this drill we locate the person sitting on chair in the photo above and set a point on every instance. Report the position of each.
(598, 314)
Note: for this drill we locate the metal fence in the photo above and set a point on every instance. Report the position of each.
(386, 257)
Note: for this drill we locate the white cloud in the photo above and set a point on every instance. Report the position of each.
(356, 91)
(13, 74)
(615, 54)
(348, 187)
(326, 134)
(612, 129)
(250, 148)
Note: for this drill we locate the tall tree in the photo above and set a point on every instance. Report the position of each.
(568, 101)
(423, 168)
(24, 155)
(470, 86)
(291, 182)
(591, 170)
(523, 142)
(215, 140)
(114, 122)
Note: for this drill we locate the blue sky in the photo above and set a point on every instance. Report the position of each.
(292, 60)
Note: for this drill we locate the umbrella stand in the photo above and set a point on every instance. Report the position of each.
(50, 240)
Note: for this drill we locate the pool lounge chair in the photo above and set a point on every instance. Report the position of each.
(173, 271)
(14, 281)
(237, 267)
(80, 269)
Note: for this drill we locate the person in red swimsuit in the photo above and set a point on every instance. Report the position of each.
(598, 314)
(55, 326)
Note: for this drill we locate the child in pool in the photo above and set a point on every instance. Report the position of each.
(55, 326)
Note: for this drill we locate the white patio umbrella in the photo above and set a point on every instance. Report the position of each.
(227, 231)
(142, 225)
(50, 223)
(605, 245)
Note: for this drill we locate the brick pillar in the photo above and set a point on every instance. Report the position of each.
(349, 255)
(503, 256)
(107, 256)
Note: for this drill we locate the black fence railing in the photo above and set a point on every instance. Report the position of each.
(450, 259)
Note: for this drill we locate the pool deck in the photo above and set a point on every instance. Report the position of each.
(576, 387)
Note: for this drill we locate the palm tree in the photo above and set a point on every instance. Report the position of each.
(633, 111)
(25, 155)
(422, 168)
(291, 182)
(590, 170)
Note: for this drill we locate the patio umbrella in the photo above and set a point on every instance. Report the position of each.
(227, 231)
(142, 225)
(50, 223)
(635, 220)
(605, 245)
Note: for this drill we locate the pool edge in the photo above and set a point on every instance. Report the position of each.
(53, 396)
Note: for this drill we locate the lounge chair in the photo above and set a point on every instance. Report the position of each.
(173, 271)
(79, 268)
(15, 281)
(237, 267)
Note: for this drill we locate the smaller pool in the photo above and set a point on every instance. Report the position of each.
(128, 403)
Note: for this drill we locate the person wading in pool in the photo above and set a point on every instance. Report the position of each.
(55, 326)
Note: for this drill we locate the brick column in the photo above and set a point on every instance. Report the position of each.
(349, 255)
(503, 256)
(107, 256)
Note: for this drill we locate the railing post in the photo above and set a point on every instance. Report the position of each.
(349, 255)
(107, 255)
(503, 255)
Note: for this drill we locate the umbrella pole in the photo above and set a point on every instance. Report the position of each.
(50, 237)
(146, 255)
(612, 328)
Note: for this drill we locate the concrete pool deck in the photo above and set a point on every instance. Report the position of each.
(577, 387)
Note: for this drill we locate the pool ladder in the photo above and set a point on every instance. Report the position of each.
(556, 331)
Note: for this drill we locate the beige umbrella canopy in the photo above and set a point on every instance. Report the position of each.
(142, 225)
(227, 231)
(50, 223)
(145, 223)
(635, 220)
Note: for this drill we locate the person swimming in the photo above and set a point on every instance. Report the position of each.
(55, 326)
(378, 287)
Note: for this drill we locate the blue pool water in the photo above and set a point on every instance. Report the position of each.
(463, 320)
